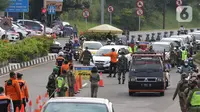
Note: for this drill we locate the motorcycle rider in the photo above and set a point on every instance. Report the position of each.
(185, 68)
(67, 47)
(108, 42)
(86, 56)
(120, 42)
(182, 30)
(192, 65)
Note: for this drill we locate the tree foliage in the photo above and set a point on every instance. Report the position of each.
(4, 4)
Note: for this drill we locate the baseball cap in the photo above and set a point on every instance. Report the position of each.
(19, 75)
(12, 74)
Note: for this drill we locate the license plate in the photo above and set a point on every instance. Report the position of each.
(55, 50)
(146, 85)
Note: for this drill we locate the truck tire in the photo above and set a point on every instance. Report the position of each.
(162, 93)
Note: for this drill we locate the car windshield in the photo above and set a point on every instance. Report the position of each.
(160, 47)
(92, 46)
(144, 63)
(102, 51)
(75, 107)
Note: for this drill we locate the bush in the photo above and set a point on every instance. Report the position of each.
(29, 48)
(98, 36)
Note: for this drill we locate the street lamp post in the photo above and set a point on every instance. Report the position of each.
(164, 13)
(102, 11)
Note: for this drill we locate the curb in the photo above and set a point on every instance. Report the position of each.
(17, 66)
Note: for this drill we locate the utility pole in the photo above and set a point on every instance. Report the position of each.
(102, 11)
(164, 13)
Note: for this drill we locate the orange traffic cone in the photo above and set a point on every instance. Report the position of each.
(67, 93)
(101, 84)
(38, 104)
(80, 81)
(17, 109)
(45, 98)
(22, 108)
(30, 106)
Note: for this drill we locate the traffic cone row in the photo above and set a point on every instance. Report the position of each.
(78, 84)
(20, 110)
(39, 104)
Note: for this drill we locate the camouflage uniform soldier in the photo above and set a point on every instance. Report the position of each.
(86, 56)
(51, 86)
(94, 79)
(71, 81)
(122, 67)
(181, 86)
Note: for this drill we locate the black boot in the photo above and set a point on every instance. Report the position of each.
(119, 81)
(123, 81)
(114, 75)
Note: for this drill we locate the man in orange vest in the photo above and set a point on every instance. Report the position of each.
(12, 89)
(113, 63)
(24, 89)
(65, 66)
(6, 104)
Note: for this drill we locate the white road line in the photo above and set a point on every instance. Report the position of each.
(84, 85)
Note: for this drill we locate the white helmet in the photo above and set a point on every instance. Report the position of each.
(60, 53)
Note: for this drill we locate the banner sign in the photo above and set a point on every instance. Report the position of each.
(84, 71)
(57, 3)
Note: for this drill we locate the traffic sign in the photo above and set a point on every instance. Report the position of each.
(139, 12)
(86, 13)
(18, 6)
(51, 9)
(5, 23)
(179, 2)
(110, 9)
(140, 3)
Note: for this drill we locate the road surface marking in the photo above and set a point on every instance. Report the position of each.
(84, 85)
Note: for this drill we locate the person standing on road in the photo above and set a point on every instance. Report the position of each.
(184, 55)
(71, 81)
(113, 63)
(193, 100)
(75, 30)
(94, 79)
(51, 85)
(122, 65)
(86, 56)
(24, 88)
(6, 104)
(59, 61)
(12, 89)
(181, 86)
(61, 85)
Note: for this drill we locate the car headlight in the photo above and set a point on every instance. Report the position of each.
(159, 79)
(132, 79)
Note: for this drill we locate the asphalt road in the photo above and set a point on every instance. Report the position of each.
(36, 77)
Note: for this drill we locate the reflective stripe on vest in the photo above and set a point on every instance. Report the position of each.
(130, 49)
(60, 82)
(184, 55)
(195, 101)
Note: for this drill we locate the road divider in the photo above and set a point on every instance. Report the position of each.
(17, 66)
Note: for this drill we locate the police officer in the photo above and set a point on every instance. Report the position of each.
(61, 85)
(24, 88)
(6, 102)
(86, 56)
(59, 61)
(122, 65)
(113, 63)
(71, 81)
(136, 47)
(193, 100)
(12, 89)
(94, 79)
(51, 85)
(184, 54)
(185, 68)
(181, 86)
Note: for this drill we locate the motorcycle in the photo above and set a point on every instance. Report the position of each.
(76, 53)
(68, 56)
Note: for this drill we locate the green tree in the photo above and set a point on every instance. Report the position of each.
(4, 4)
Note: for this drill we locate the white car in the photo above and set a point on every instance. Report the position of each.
(186, 38)
(177, 40)
(11, 36)
(93, 46)
(78, 104)
(103, 62)
(22, 33)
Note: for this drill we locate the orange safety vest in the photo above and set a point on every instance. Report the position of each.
(12, 89)
(24, 88)
(113, 56)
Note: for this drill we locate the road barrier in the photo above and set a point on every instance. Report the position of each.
(101, 83)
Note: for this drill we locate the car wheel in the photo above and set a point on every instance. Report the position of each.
(131, 93)
(162, 93)
(3, 37)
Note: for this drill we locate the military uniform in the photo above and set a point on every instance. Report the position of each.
(94, 79)
(122, 68)
(61, 85)
(181, 86)
(51, 86)
(71, 82)
(86, 55)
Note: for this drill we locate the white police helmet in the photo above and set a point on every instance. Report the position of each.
(60, 53)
